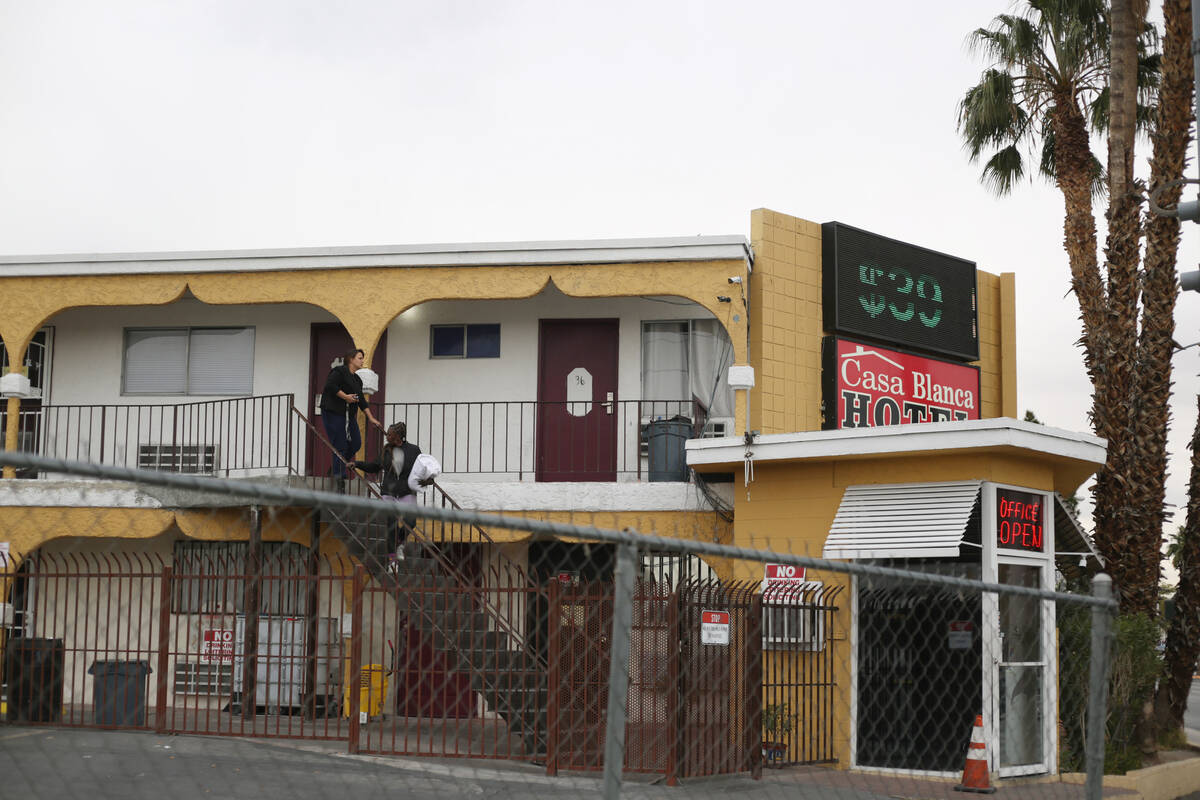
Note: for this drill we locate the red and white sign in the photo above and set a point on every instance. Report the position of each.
(714, 627)
(960, 635)
(871, 386)
(217, 646)
(782, 574)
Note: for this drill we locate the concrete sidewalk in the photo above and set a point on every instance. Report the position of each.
(38, 763)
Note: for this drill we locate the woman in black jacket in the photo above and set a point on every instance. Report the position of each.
(341, 400)
(395, 464)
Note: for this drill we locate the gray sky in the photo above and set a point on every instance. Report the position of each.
(181, 125)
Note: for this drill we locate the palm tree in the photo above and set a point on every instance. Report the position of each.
(1047, 87)
(1046, 92)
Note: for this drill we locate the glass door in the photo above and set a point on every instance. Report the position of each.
(1021, 679)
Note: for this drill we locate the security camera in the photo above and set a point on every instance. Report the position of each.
(735, 279)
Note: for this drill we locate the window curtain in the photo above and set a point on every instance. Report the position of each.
(665, 368)
(710, 354)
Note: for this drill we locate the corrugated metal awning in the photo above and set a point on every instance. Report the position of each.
(918, 520)
(1071, 542)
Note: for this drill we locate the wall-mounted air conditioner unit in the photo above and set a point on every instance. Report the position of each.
(717, 427)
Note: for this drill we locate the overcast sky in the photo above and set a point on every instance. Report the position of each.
(133, 126)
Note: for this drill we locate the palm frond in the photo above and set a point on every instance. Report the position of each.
(989, 114)
(1047, 166)
(1099, 178)
(1046, 53)
(1003, 170)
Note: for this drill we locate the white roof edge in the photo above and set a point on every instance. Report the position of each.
(995, 432)
(582, 251)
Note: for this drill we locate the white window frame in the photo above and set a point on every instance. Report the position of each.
(806, 616)
(188, 390)
(41, 383)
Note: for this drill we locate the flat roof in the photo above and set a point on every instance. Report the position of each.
(1085, 451)
(582, 251)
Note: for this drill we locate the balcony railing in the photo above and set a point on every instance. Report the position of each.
(228, 438)
(530, 439)
(495, 440)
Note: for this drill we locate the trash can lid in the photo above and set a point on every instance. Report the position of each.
(132, 668)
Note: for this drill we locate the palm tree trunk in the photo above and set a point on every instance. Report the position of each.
(1150, 411)
(1183, 634)
(1116, 401)
(1154, 367)
(1127, 17)
(1073, 167)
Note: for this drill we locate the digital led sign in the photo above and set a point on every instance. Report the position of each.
(1020, 521)
(866, 386)
(898, 293)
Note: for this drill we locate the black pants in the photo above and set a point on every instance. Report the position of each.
(399, 526)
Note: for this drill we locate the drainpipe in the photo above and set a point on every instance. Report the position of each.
(741, 376)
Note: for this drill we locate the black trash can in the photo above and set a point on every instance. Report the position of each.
(665, 440)
(34, 671)
(119, 692)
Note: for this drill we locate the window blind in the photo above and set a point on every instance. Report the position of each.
(221, 361)
(156, 361)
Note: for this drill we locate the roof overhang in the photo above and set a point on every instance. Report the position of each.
(1073, 456)
(597, 251)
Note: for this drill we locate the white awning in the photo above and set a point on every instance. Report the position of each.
(917, 520)
(1071, 542)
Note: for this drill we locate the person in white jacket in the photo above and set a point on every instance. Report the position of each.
(396, 481)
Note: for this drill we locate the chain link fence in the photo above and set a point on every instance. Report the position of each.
(196, 636)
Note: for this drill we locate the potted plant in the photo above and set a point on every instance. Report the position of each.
(777, 722)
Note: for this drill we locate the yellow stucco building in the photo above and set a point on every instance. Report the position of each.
(559, 380)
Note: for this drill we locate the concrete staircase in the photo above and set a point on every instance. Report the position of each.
(456, 618)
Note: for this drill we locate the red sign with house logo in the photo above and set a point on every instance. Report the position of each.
(867, 386)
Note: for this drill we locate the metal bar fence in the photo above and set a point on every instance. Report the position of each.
(502, 437)
(240, 437)
(137, 637)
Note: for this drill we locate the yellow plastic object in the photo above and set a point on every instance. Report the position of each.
(372, 688)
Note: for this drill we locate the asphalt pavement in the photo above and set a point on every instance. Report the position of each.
(67, 763)
(37, 763)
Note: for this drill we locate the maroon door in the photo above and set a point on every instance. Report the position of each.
(577, 400)
(330, 341)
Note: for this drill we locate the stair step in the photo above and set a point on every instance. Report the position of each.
(490, 660)
(435, 602)
(517, 682)
(481, 640)
(450, 623)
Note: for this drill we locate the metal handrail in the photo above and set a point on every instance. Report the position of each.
(427, 546)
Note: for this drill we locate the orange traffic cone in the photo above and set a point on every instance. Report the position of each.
(975, 773)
